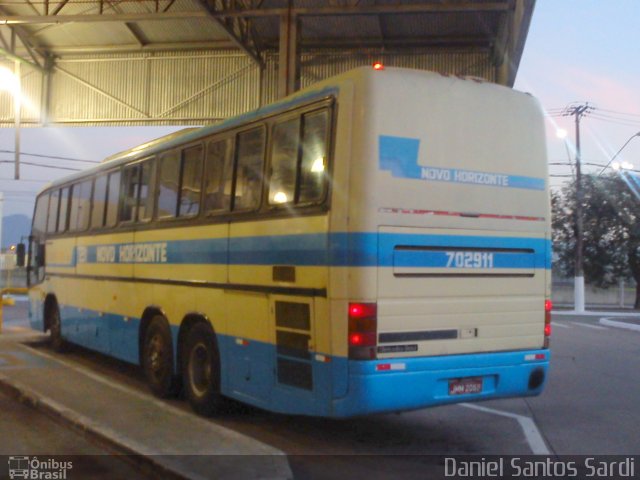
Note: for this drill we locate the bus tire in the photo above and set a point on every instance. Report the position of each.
(201, 370)
(157, 358)
(54, 322)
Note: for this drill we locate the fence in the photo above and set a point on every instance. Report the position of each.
(622, 295)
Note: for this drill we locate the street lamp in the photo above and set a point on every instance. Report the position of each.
(10, 81)
(618, 153)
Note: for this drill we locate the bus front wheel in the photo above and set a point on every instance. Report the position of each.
(54, 322)
(157, 358)
(201, 370)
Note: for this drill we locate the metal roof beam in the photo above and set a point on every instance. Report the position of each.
(98, 17)
(11, 52)
(468, 7)
(149, 47)
(217, 14)
(238, 30)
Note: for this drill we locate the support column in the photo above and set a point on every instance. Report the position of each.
(288, 63)
(17, 103)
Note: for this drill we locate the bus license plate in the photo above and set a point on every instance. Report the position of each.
(465, 386)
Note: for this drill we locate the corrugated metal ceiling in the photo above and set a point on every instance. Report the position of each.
(193, 61)
(177, 24)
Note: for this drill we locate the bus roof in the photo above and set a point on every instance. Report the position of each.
(319, 90)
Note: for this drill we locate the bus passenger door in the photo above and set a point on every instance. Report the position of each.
(294, 358)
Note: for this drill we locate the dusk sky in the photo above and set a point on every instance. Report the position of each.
(576, 51)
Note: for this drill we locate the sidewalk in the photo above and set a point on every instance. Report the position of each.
(628, 319)
(179, 444)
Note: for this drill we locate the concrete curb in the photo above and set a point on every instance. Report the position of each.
(159, 466)
(87, 427)
(613, 323)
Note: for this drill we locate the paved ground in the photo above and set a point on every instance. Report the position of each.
(591, 406)
(27, 432)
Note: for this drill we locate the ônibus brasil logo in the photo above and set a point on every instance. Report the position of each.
(34, 469)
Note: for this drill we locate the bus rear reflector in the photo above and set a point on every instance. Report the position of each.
(363, 331)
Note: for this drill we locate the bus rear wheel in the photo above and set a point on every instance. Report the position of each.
(157, 358)
(201, 370)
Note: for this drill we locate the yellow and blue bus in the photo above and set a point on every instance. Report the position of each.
(377, 242)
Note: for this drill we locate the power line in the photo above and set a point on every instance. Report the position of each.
(22, 180)
(620, 113)
(56, 167)
(53, 157)
(617, 122)
(615, 117)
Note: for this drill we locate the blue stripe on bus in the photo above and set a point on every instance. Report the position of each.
(399, 155)
(464, 259)
(336, 249)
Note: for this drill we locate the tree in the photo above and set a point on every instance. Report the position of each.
(611, 231)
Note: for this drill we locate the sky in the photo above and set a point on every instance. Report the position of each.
(585, 51)
(576, 51)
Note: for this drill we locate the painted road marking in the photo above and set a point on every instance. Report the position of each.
(614, 323)
(586, 325)
(530, 429)
(558, 324)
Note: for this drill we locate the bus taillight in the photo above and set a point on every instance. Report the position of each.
(547, 321)
(363, 331)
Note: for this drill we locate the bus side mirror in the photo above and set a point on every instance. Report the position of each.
(20, 254)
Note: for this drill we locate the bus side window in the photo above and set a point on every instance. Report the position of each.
(80, 204)
(218, 176)
(191, 182)
(284, 160)
(62, 212)
(54, 203)
(130, 178)
(146, 191)
(249, 168)
(313, 164)
(168, 186)
(113, 197)
(99, 201)
(40, 215)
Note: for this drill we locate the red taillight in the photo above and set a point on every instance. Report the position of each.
(363, 320)
(548, 306)
(378, 66)
(362, 310)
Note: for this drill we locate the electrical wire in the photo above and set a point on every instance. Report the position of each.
(53, 157)
(31, 164)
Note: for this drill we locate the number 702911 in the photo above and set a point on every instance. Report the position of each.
(464, 259)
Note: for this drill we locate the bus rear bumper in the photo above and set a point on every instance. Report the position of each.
(412, 383)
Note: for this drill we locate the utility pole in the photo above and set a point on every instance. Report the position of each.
(578, 111)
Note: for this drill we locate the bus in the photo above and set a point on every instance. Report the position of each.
(378, 242)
